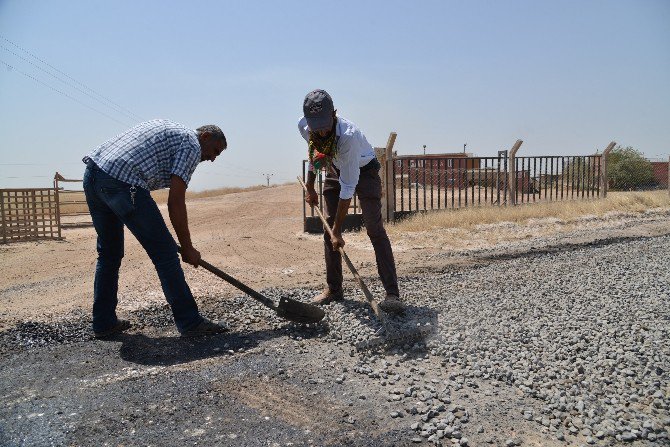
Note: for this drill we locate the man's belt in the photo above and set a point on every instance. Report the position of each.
(372, 164)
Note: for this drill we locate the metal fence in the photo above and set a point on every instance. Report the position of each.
(433, 183)
(421, 183)
(557, 178)
(312, 223)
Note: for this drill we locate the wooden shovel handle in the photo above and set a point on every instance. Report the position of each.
(359, 280)
(240, 285)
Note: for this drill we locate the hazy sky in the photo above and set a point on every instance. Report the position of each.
(567, 77)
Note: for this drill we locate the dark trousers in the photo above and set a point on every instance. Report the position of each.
(369, 192)
(112, 207)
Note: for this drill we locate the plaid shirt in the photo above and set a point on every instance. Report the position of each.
(149, 154)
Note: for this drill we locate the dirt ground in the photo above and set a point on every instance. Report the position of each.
(266, 382)
(258, 238)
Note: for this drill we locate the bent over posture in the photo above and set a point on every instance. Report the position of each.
(119, 175)
(339, 148)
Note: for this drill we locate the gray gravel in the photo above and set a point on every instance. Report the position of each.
(566, 347)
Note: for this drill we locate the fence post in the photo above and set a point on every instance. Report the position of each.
(4, 223)
(380, 153)
(603, 168)
(57, 177)
(390, 178)
(512, 172)
(390, 173)
(385, 157)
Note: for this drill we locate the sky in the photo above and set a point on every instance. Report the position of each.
(566, 77)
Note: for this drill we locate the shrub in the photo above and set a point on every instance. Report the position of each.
(628, 169)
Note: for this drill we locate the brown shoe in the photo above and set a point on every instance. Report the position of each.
(206, 327)
(392, 305)
(327, 297)
(116, 328)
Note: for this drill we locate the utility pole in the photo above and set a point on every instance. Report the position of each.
(267, 177)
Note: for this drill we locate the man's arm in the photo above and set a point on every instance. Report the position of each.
(312, 198)
(349, 176)
(342, 210)
(179, 219)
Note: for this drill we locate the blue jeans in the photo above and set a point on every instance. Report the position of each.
(111, 206)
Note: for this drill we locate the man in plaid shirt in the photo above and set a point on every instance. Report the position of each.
(119, 175)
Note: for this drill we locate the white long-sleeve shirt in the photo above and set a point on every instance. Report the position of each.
(353, 152)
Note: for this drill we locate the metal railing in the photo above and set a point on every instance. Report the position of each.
(552, 178)
(433, 183)
(415, 183)
(312, 223)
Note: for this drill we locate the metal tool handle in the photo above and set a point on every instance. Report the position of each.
(364, 288)
(243, 287)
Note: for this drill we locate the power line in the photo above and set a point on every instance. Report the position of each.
(10, 67)
(67, 76)
(39, 164)
(28, 176)
(118, 110)
(217, 174)
(240, 168)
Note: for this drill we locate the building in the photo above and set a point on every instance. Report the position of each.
(445, 170)
(660, 169)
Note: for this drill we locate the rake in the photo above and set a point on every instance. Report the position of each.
(391, 332)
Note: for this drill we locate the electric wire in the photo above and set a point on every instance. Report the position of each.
(62, 93)
(115, 108)
(38, 164)
(68, 76)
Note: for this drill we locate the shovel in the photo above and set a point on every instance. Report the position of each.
(287, 308)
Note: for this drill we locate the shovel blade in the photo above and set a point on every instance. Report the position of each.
(298, 311)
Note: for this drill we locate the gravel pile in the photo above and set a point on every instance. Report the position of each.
(32, 334)
(585, 330)
(581, 332)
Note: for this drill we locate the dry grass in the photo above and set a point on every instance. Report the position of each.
(567, 211)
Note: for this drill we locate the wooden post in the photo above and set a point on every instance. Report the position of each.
(4, 223)
(603, 168)
(57, 177)
(35, 228)
(380, 153)
(512, 172)
(390, 173)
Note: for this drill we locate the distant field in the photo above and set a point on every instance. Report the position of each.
(160, 196)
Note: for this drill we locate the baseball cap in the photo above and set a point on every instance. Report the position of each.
(318, 109)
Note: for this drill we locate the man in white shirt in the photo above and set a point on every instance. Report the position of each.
(339, 148)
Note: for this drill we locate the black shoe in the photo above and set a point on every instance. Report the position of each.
(327, 297)
(206, 327)
(118, 327)
(392, 305)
